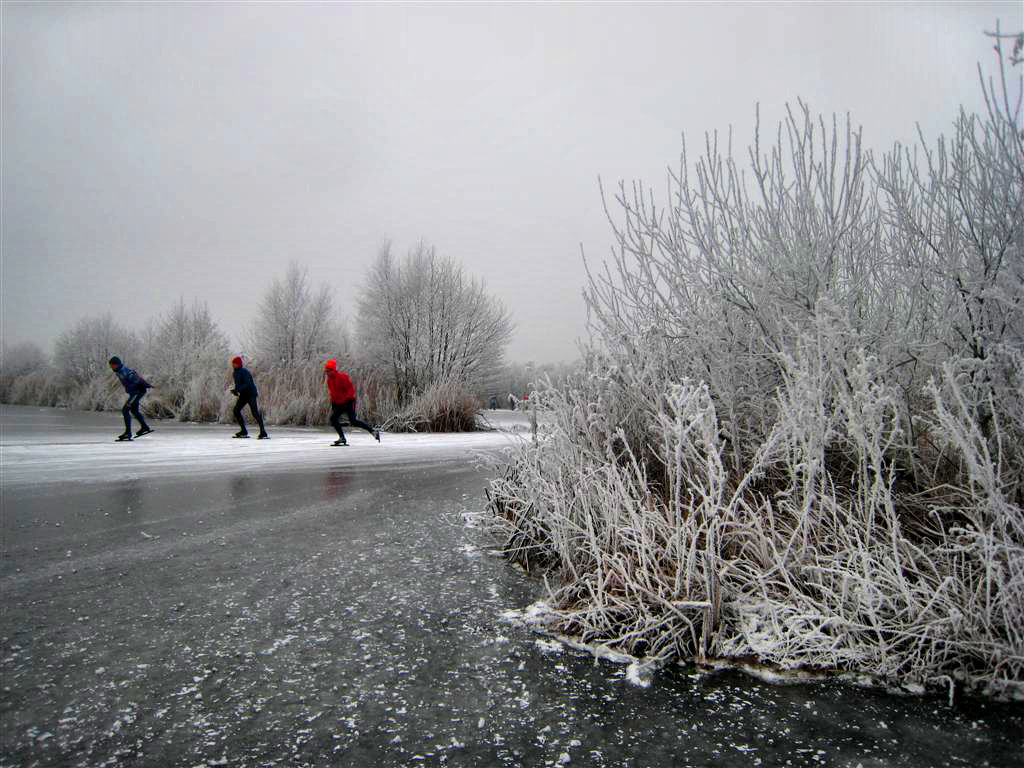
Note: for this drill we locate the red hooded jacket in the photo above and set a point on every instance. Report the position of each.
(340, 385)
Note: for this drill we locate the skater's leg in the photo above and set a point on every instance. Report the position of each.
(350, 412)
(126, 412)
(135, 400)
(336, 412)
(239, 404)
(255, 408)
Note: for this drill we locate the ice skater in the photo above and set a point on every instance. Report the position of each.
(245, 390)
(136, 387)
(343, 402)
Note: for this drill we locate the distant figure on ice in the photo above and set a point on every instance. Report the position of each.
(343, 402)
(136, 387)
(245, 389)
(494, 403)
(511, 401)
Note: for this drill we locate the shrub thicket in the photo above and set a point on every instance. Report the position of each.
(799, 434)
(446, 406)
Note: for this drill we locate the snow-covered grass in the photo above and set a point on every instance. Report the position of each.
(810, 559)
(445, 406)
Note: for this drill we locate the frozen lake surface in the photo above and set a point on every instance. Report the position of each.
(46, 445)
(189, 599)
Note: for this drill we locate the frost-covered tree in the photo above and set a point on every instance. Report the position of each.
(424, 320)
(20, 359)
(799, 432)
(82, 351)
(187, 356)
(24, 378)
(294, 323)
(82, 377)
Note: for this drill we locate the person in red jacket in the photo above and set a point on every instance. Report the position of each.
(343, 402)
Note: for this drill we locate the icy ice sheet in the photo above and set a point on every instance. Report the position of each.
(52, 445)
(330, 616)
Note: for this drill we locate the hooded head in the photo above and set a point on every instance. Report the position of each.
(331, 365)
(236, 361)
(115, 362)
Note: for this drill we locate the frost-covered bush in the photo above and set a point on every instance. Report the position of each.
(297, 394)
(78, 375)
(445, 406)
(80, 354)
(19, 359)
(38, 387)
(293, 394)
(22, 371)
(186, 359)
(183, 354)
(798, 436)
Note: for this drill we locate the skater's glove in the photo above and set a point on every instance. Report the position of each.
(234, 392)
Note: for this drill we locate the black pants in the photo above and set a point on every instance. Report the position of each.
(346, 409)
(131, 408)
(250, 400)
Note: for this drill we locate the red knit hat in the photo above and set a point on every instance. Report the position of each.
(331, 365)
(237, 361)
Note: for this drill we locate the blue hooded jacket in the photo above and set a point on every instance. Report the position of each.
(132, 382)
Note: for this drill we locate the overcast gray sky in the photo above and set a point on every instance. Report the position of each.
(152, 151)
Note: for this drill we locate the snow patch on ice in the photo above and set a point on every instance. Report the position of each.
(639, 674)
(278, 644)
(535, 615)
(549, 646)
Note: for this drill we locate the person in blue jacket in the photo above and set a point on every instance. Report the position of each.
(136, 387)
(245, 389)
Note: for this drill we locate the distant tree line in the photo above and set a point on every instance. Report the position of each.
(427, 350)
